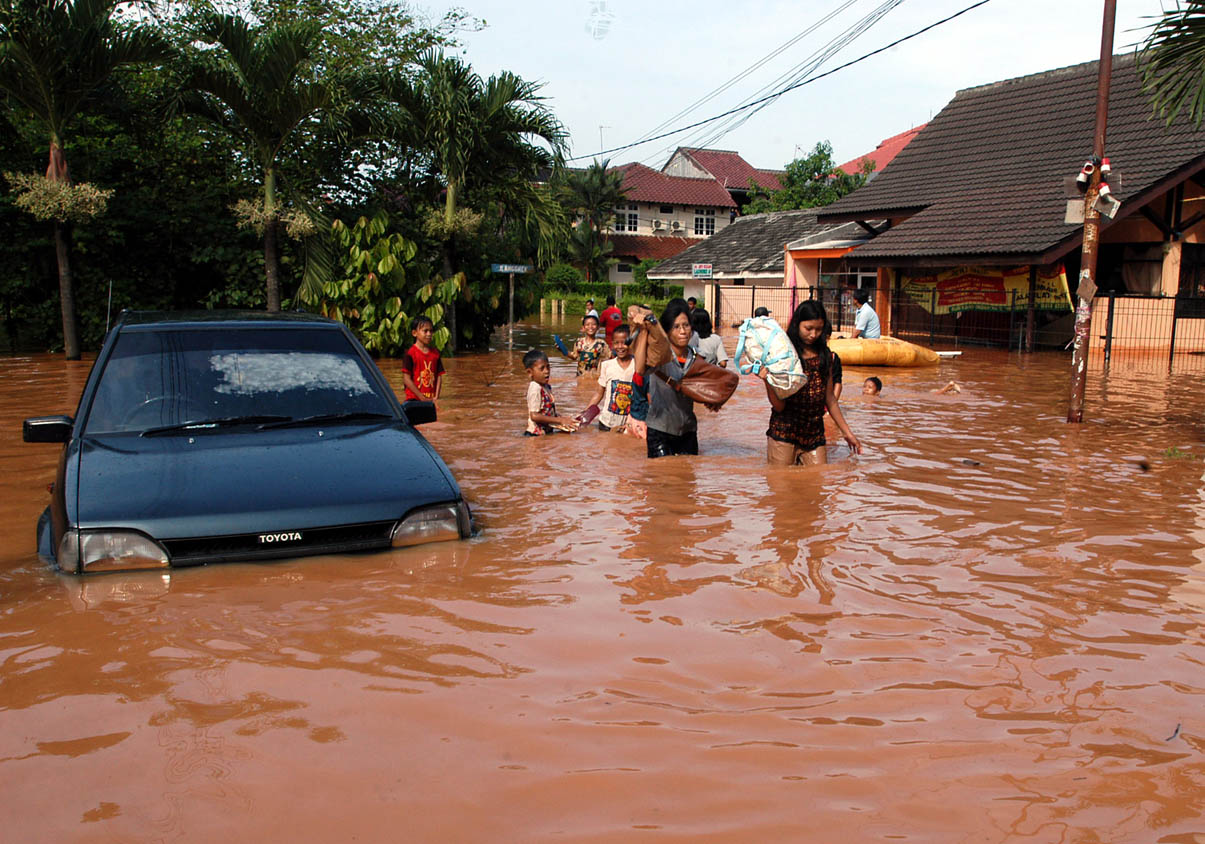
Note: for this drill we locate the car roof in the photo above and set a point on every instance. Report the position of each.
(225, 319)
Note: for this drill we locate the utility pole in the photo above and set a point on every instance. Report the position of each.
(1087, 272)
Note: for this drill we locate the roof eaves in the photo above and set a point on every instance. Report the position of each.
(868, 214)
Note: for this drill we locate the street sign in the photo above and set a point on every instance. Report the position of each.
(511, 268)
(700, 270)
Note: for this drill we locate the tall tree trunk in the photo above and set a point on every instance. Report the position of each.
(271, 260)
(271, 265)
(449, 270)
(66, 292)
(56, 171)
(448, 273)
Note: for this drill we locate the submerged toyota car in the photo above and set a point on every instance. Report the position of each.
(219, 436)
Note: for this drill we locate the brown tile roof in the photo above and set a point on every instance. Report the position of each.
(644, 184)
(986, 175)
(647, 246)
(732, 171)
(748, 245)
(882, 155)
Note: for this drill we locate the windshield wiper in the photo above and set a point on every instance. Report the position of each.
(325, 418)
(223, 422)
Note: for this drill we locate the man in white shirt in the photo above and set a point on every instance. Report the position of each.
(866, 322)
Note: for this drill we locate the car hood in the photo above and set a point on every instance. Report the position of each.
(213, 484)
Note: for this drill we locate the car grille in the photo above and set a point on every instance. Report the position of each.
(248, 546)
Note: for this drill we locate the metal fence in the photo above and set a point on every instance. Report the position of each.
(1162, 332)
(1011, 326)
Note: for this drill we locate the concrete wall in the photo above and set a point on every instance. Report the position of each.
(683, 215)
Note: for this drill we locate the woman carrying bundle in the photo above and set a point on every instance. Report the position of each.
(796, 432)
(672, 426)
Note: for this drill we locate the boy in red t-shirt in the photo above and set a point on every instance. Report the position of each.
(422, 369)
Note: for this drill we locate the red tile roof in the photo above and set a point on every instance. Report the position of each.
(640, 247)
(883, 153)
(644, 184)
(732, 171)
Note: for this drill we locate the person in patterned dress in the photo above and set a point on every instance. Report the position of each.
(796, 432)
(589, 351)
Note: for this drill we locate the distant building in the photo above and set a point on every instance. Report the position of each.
(663, 215)
(883, 154)
(727, 167)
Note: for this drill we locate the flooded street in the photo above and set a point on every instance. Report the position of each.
(987, 628)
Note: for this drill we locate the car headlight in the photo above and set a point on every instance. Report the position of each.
(109, 550)
(432, 524)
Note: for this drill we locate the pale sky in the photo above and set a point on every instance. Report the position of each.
(630, 65)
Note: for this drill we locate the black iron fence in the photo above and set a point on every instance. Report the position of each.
(1012, 325)
(1146, 329)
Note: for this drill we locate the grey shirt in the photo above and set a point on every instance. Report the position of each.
(669, 411)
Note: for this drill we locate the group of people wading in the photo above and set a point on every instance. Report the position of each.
(645, 400)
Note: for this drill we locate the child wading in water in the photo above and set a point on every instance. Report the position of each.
(422, 368)
(615, 383)
(796, 432)
(542, 417)
(589, 351)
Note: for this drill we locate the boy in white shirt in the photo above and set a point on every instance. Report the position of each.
(615, 383)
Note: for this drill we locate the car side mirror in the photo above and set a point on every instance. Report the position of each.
(47, 429)
(419, 412)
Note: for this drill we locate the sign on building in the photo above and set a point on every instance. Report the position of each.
(700, 270)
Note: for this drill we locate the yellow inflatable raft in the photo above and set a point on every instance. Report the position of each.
(885, 351)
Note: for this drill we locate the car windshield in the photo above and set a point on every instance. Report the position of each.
(155, 379)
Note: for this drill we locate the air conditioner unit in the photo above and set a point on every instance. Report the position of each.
(657, 224)
(676, 225)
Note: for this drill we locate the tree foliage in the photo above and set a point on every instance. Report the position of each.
(54, 57)
(809, 182)
(381, 288)
(264, 86)
(1172, 62)
(591, 196)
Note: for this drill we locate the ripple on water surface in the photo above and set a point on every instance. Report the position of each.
(987, 627)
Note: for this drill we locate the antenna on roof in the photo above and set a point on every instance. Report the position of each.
(109, 309)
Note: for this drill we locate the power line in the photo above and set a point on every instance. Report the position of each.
(750, 69)
(799, 72)
(777, 94)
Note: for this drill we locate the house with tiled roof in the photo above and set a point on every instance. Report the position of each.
(883, 154)
(663, 215)
(986, 192)
(725, 166)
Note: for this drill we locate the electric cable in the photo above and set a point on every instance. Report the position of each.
(777, 94)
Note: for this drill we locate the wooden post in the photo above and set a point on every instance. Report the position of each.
(1087, 283)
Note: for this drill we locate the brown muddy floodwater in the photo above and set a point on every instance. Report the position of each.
(987, 628)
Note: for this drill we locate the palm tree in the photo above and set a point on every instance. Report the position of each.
(590, 250)
(480, 134)
(592, 195)
(1173, 63)
(261, 86)
(54, 57)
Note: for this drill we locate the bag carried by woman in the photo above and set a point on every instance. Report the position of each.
(705, 382)
(658, 347)
(764, 345)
